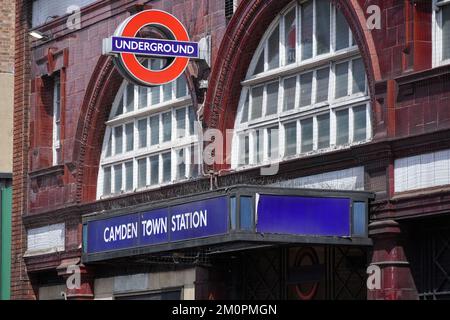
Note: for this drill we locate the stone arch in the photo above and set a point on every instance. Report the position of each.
(240, 42)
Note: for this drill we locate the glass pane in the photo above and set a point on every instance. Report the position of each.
(129, 133)
(154, 170)
(117, 178)
(119, 110)
(167, 91)
(244, 150)
(167, 167)
(109, 145)
(359, 76)
(180, 115)
(259, 146)
(156, 95)
(181, 87)
(181, 165)
(192, 119)
(118, 138)
(233, 210)
(307, 29)
(130, 97)
(260, 64)
(342, 125)
(273, 143)
(307, 135)
(341, 80)
(244, 117)
(446, 32)
(129, 176)
(323, 123)
(154, 130)
(257, 98)
(290, 138)
(359, 219)
(142, 129)
(342, 31)
(167, 126)
(246, 212)
(107, 181)
(195, 161)
(272, 98)
(143, 95)
(323, 77)
(360, 124)
(289, 86)
(290, 36)
(142, 173)
(323, 10)
(274, 49)
(305, 89)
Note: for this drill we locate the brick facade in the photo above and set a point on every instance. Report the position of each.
(410, 102)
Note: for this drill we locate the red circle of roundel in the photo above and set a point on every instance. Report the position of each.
(131, 63)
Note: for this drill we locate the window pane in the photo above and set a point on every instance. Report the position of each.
(323, 123)
(259, 146)
(341, 80)
(107, 181)
(307, 135)
(167, 167)
(154, 170)
(274, 49)
(195, 161)
(323, 26)
(307, 30)
(290, 36)
(167, 91)
(359, 76)
(167, 126)
(305, 89)
(154, 130)
(181, 165)
(360, 124)
(181, 87)
(342, 126)
(143, 95)
(244, 150)
(129, 133)
(129, 176)
(260, 64)
(192, 119)
(142, 173)
(119, 110)
(273, 143)
(109, 145)
(272, 98)
(323, 76)
(244, 117)
(289, 86)
(342, 31)
(180, 115)
(156, 95)
(290, 138)
(446, 32)
(257, 98)
(118, 138)
(130, 97)
(117, 178)
(142, 129)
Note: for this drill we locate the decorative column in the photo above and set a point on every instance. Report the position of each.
(396, 280)
(79, 279)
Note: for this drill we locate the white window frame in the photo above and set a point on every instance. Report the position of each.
(134, 115)
(438, 34)
(298, 113)
(56, 140)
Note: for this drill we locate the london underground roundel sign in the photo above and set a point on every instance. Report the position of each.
(126, 48)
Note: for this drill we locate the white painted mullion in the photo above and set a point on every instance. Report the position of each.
(265, 145)
(314, 53)
(136, 98)
(368, 122)
(299, 137)
(282, 42)
(264, 102)
(298, 47)
(297, 92)
(333, 19)
(332, 82)
(351, 127)
(252, 147)
(281, 141)
(174, 164)
(333, 127)
(314, 88)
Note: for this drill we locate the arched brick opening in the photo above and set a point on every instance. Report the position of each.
(240, 42)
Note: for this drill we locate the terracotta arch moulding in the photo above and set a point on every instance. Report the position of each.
(240, 42)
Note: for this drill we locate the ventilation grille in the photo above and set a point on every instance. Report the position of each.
(229, 9)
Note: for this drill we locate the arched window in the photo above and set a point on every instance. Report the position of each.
(151, 138)
(305, 90)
